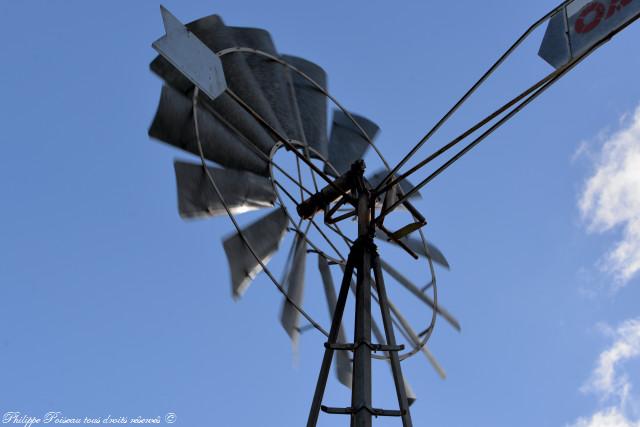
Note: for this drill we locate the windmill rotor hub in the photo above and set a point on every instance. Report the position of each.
(293, 182)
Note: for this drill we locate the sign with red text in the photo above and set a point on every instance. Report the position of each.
(581, 25)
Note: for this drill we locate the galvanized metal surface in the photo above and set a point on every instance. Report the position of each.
(347, 144)
(264, 236)
(273, 78)
(290, 318)
(312, 103)
(223, 107)
(242, 191)
(240, 78)
(336, 322)
(174, 124)
(391, 340)
(189, 55)
(581, 25)
(361, 397)
(344, 370)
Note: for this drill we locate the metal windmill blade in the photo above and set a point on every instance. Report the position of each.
(347, 143)
(290, 317)
(216, 36)
(242, 191)
(174, 124)
(274, 80)
(264, 235)
(312, 103)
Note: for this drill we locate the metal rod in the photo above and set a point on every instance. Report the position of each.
(407, 284)
(313, 83)
(361, 258)
(361, 392)
(309, 241)
(549, 81)
(482, 137)
(465, 134)
(333, 336)
(397, 323)
(327, 239)
(470, 92)
(391, 341)
(252, 146)
(237, 226)
(282, 138)
(300, 178)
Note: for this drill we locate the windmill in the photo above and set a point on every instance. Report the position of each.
(233, 101)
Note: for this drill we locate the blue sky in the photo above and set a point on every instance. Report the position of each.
(112, 305)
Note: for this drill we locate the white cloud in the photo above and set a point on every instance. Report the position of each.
(611, 383)
(611, 198)
(611, 417)
(605, 380)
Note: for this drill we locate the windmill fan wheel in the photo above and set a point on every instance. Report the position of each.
(264, 144)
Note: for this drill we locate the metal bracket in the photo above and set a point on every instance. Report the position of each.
(373, 347)
(399, 242)
(373, 411)
(406, 230)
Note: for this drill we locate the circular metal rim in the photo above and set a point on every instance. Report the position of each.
(417, 345)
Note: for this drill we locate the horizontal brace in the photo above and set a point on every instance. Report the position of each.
(373, 411)
(373, 347)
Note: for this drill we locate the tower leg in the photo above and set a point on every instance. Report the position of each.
(391, 340)
(361, 393)
(333, 337)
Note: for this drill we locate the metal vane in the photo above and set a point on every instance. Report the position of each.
(581, 24)
(189, 55)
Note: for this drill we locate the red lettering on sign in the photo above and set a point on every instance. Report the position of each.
(616, 5)
(595, 11)
(613, 8)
